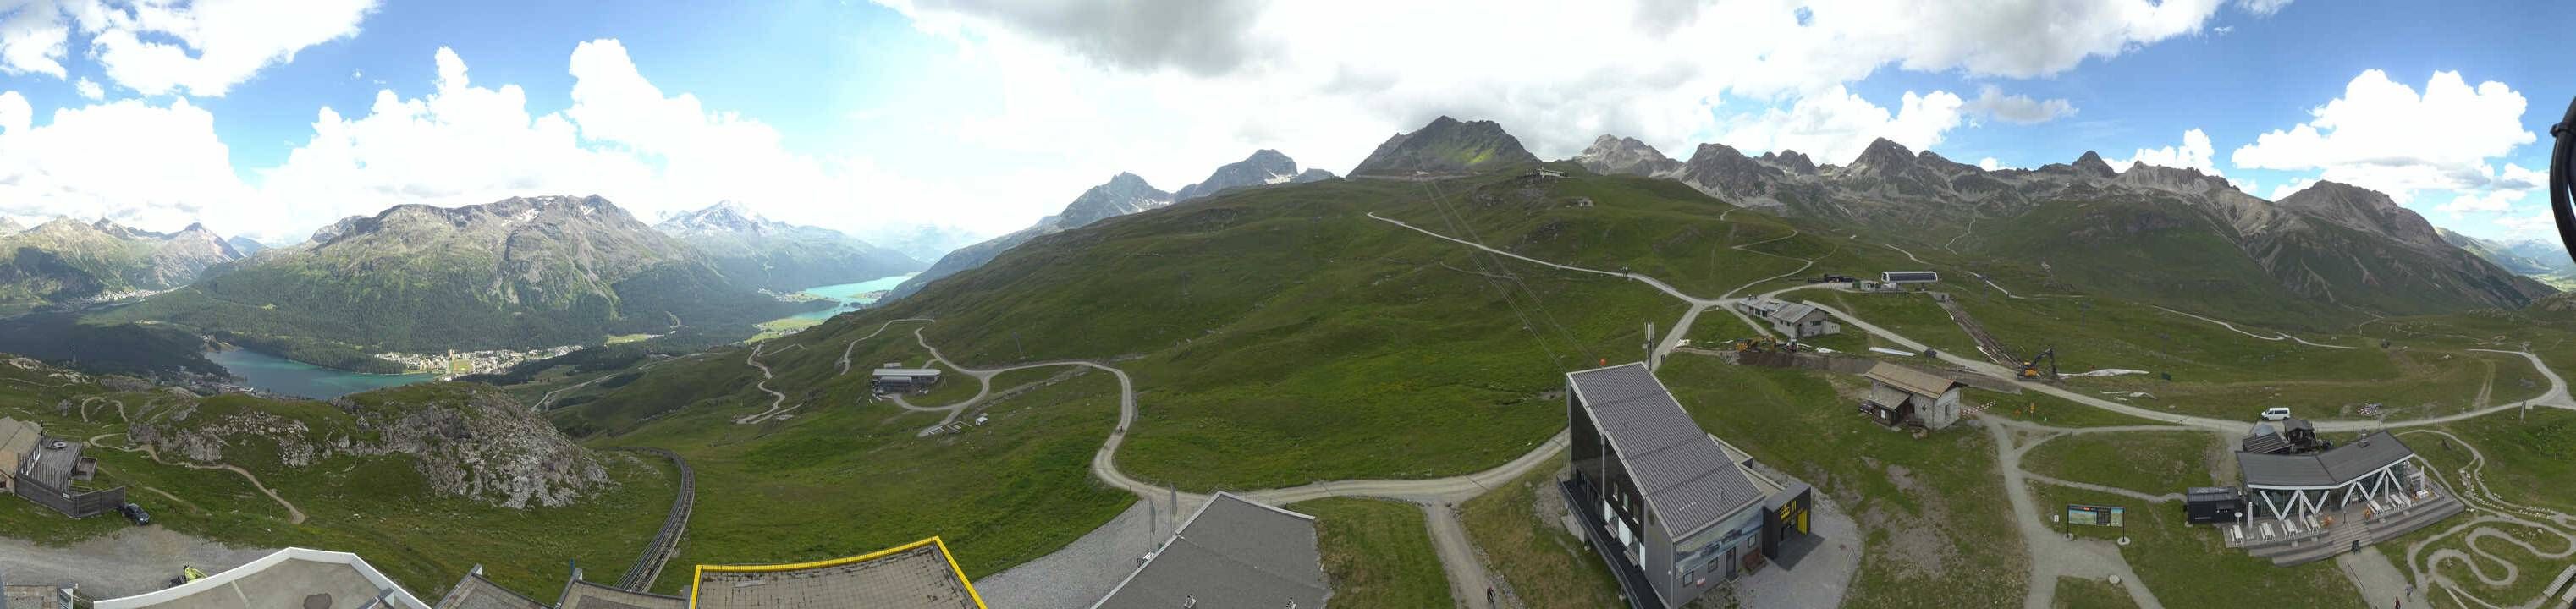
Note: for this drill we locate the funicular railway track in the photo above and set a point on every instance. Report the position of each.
(648, 566)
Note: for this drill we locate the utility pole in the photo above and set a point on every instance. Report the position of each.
(1650, 347)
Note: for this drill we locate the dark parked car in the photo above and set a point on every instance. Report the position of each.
(135, 513)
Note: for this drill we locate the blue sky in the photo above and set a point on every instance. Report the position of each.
(883, 119)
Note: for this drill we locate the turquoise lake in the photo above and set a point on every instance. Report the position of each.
(290, 377)
(851, 296)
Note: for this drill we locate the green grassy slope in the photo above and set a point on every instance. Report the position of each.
(1377, 553)
(1281, 336)
(378, 507)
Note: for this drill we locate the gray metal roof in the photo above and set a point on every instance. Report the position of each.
(2329, 468)
(1792, 313)
(52, 466)
(1685, 476)
(1233, 553)
(907, 372)
(475, 592)
(579, 594)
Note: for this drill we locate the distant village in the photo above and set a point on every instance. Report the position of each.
(470, 362)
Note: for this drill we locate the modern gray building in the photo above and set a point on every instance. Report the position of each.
(2298, 485)
(1661, 500)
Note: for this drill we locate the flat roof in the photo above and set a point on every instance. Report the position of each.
(907, 372)
(52, 466)
(32, 597)
(1910, 380)
(918, 575)
(580, 594)
(1791, 312)
(2333, 467)
(1233, 554)
(1685, 477)
(293, 577)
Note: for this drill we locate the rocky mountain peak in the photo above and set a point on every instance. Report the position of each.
(1882, 156)
(1123, 194)
(1445, 146)
(1264, 167)
(2361, 209)
(1791, 161)
(2172, 179)
(723, 217)
(1611, 154)
(8, 226)
(2091, 164)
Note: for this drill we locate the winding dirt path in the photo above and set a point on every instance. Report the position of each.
(294, 515)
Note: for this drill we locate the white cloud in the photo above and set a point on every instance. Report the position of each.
(1651, 69)
(2262, 8)
(2491, 202)
(2019, 109)
(2535, 225)
(622, 138)
(15, 114)
(2384, 136)
(1989, 164)
(2194, 153)
(1835, 126)
(157, 47)
(89, 89)
(157, 165)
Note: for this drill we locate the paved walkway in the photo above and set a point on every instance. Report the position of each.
(125, 563)
(2052, 555)
(2377, 579)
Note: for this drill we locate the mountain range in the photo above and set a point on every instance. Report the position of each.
(67, 260)
(1123, 194)
(519, 273)
(779, 256)
(2534, 257)
(2154, 233)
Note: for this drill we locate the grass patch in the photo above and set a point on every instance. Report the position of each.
(1547, 566)
(2081, 593)
(2187, 566)
(847, 476)
(2151, 462)
(1377, 553)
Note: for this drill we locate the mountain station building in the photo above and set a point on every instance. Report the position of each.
(1791, 320)
(51, 471)
(1667, 505)
(898, 379)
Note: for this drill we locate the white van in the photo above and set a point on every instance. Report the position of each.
(2276, 413)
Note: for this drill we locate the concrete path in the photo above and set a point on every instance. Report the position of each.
(1468, 581)
(2276, 336)
(125, 563)
(2052, 555)
(2376, 578)
(881, 328)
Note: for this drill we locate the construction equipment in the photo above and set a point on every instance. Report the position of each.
(186, 575)
(2030, 369)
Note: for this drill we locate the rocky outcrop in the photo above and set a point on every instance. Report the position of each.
(464, 440)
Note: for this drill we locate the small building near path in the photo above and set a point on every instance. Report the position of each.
(1792, 320)
(905, 380)
(1904, 395)
(51, 472)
